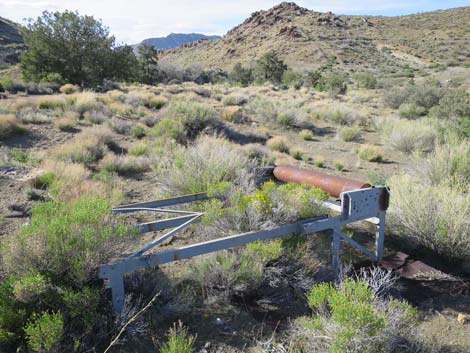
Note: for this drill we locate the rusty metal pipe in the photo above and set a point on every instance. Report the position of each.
(333, 185)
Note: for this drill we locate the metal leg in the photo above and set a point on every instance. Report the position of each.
(335, 248)
(116, 283)
(379, 236)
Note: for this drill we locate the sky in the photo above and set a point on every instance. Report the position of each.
(131, 21)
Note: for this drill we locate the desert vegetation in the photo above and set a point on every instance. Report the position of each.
(75, 143)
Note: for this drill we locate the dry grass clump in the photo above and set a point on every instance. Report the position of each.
(370, 153)
(8, 125)
(235, 99)
(97, 117)
(146, 99)
(267, 111)
(349, 133)
(52, 103)
(279, 144)
(233, 114)
(88, 148)
(69, 88)
(307, 135)
(122, 109)
(35, 116)
(67, 122)
(344, 117)
(434, 216)
(125, 165)
(120, 126)
(84, 102)
(448, 163)
(184, 119)
(210, 160)
(407, 136)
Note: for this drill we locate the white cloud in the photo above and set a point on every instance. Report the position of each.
(132, 21)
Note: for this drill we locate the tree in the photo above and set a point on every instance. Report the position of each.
(269, 68)
(78, 48)
(148, 63)
(241, 75)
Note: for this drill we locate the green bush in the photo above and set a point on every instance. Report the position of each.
(307, 135)
(411, 111)
(292, 78)
(206, 162)
(69, 88)
(269, 68)
(189, 118)
(355, 319)
(453, 105)
(44, 331)
(366, 80)
(12, 317)
(349, 133)
(30, 287)
(241, 75)
(138, 131)
(279, 144)
(179, 341)
(66, 240)
(370, 153)
(433, 216)
(333, 83)
(235, 99)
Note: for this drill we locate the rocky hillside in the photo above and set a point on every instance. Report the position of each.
(176, 39)
(11, 42)
(309, 39)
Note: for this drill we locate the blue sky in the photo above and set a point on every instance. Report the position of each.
(133, 20)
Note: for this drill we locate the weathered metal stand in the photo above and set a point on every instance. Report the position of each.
(368, 204)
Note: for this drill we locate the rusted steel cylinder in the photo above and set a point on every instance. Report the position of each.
(333, 185)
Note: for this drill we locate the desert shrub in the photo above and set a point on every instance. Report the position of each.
(125, 165)
(319, 162)
(235, 99)
(156, 102)
(85, 102)
(55, 102)
(67, 122)
(267, 205)
(307, 135)
(339, 166)
(411, 111)
(269, 68)
(179, 340)
(366, 80)
(265, 109)
(191, 116)
(370, 153)
(88, 148)
(448, 163)
(208, 161)
(139, 149)
(349, 133)
(8, 125)
(66, 240)
(292, 78)
(44, 331)
(97, 116)
(454, 104)
(233, 114)
(297, 154)
(343, 117)
(408, 136)
(241, 75)
(333, 83)
(120, 126)
(43, 180)
(426, 95)
(169, 128)
(352, 317)
(286, 118)
(34, 116)
(138, 131)
(434, 216)
(69, 88)
(279, 144)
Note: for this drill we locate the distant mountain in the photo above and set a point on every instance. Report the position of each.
(307, 39)
(176, 39)
(11, 41)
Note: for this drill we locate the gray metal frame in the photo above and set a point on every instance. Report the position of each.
(356, 205)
